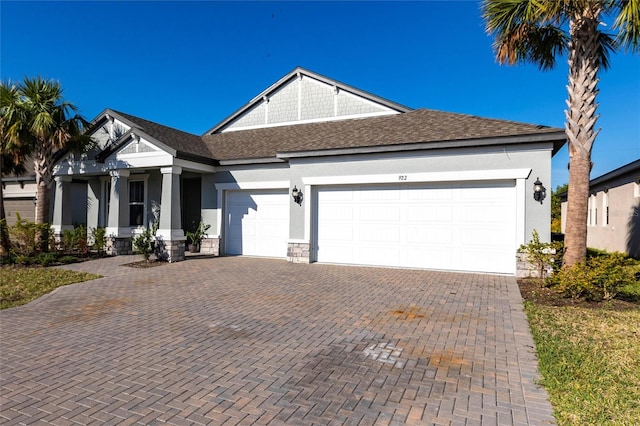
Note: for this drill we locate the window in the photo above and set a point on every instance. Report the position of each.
(605, 209)
(636, 188)
(106, 200)
(136, 203)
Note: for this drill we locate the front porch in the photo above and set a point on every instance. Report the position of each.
(127, 201)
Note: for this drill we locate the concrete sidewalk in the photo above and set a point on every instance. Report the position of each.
(258, 341)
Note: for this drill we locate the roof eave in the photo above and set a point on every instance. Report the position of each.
(420, 146)
(246, 161)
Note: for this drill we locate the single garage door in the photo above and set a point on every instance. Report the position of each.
(257, 223)
(464, 227)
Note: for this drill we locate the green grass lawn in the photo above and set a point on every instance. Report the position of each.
(19, 285)
(589, 358)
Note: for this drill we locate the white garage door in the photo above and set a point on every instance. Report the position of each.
(257, 223)
(464, 227)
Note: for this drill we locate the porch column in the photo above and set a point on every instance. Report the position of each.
(117, 229)
(62, 206)
(170, 235)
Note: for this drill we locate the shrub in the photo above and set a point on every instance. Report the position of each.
(600, 277)
(144, 243)
(23, 233)
(75, 240)
(23, 260)
(544, 256)
(67, 259)
(46, 259)
(99, 239)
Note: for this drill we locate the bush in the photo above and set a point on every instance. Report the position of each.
(99, 239)
(599, 277)
(68, 259)
(75, 240)
(24, 233)
(46, 259)
(544, 256)
(144, 243)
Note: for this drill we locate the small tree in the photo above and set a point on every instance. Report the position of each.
(542, 255)
(144, 243)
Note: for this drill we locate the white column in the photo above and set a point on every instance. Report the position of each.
(170, 228)
(118, 221)
(62, 205)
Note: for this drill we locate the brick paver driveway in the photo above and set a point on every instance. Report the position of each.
(255, 341)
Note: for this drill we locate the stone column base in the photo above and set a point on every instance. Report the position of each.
(118, 246)
(299, 252)
(210, 246)
(171, 251)
(526, 269)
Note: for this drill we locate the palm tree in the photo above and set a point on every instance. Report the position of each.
(13, 151)
(53, 127)
(536, 31)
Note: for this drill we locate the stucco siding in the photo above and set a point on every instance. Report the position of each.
(611, 231)
(537, 158)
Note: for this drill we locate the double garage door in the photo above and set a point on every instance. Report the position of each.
(465, 227)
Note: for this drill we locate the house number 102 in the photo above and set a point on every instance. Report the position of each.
(402, 177)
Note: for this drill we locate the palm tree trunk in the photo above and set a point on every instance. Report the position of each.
(42, 215)
(581, 118)
(575, 239)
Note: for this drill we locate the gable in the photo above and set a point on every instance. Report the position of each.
(109, 132)
(305, 97)
(137, 147)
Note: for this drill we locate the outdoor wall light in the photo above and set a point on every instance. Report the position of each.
(297, 195)
(539, 191)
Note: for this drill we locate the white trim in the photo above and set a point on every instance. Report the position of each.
(309, 207)
(455, 176)
(521, 210)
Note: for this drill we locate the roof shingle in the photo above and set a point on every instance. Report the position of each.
(418, 126)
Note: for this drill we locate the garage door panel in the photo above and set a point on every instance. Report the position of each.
(257, 223)
(382, 213)
(451, 226)
(381, 234)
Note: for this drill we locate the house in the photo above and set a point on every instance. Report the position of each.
(314, 170)
(19, 195)
(613, 221)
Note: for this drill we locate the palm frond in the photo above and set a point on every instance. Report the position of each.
(628, 25)
(526, 30)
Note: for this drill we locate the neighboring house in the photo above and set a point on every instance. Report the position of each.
(19, 196)
(377, 183)
(613, 221)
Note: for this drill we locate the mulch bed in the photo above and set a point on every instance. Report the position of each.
(144, 264)
(532, 291)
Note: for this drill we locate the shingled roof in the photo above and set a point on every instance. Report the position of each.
(429, 128)
(182, 142)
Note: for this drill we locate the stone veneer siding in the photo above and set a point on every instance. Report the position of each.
(171, 251)
(210, 246)
(118, 246)
(299, 252)
(526, 269)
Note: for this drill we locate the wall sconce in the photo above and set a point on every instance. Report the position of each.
(539, 191)
(297, 195)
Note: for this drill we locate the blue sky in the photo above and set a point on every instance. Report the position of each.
(190, 64)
